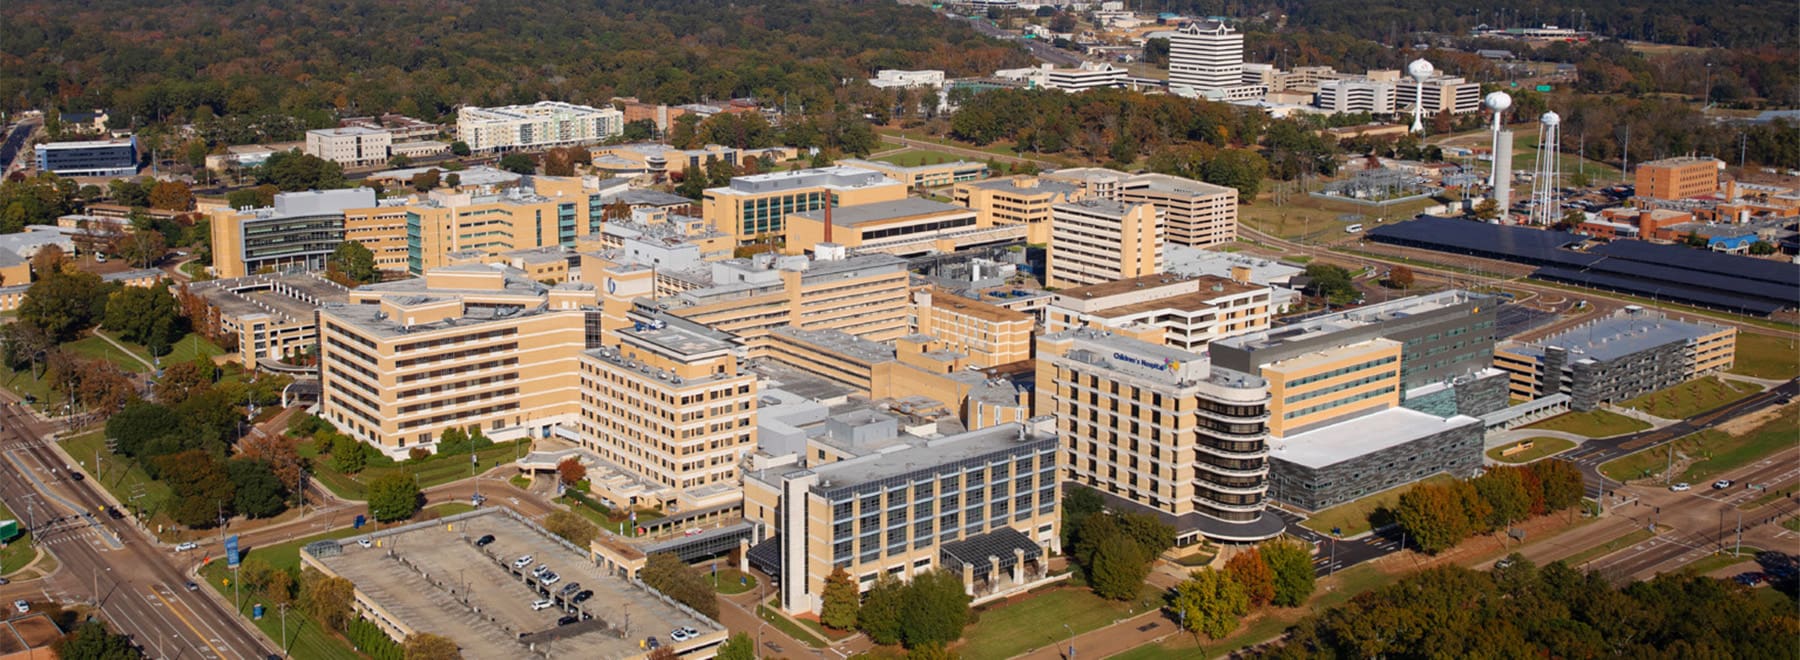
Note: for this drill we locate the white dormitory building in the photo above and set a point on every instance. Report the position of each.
(540, 125)
(1206, 60)
(350, 146)
(898, 78)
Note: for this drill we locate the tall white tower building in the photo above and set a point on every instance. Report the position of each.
(1206, 56)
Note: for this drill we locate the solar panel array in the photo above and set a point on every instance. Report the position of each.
(1664, 272)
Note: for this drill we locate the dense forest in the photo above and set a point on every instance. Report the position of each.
(311, 59)
(1555, 612)
(1734, 24)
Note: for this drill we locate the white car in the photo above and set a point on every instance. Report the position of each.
(522, 562)
(186, 546)
(541, 571)
(542, 605)
(678, 635)
(21, 606)
(1680, 487)
(365, 542)
(551, 578)
(1722, 484)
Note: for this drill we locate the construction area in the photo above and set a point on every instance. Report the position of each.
(440, 577)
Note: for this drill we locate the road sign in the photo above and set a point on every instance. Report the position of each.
(231, 551)
(360, 519)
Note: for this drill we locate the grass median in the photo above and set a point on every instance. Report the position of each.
(1691, 398)
(1540, 448)
(1766, 356)
(1714, 451)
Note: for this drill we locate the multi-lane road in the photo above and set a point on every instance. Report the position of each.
(135, 582)
(1592, 453)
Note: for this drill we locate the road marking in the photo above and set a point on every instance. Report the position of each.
(190, 625)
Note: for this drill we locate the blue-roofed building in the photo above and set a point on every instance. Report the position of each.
(1632, 352)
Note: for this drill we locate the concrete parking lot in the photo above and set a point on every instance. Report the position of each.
(431, 577)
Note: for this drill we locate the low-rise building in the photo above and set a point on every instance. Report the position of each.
(905, 227)
(266, 317)
(990, 335)
(1681, 177)
(1441, 93)
(117, 157)
(1352, 95)
(924, 175)
(539, 125)
(350, 146)
(1086, 76)
(861, 295)
(1181, 312)
(1634, 351)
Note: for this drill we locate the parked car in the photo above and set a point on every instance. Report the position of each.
(541, 570)
(477, 499)
(1505, 562)
(567, 620)
(583, 596)
(551, 578)
(1750, 579)
(522, 561)
(21, 606)
(192, 586)
(1680, 487)
(652, 643)
(1722, 484)
(678, 635)
(543, 604)
(186, 546)
(570, 588)
(691, 633)
(4, 581)
(483, 541)
(365, 542)
(113, 512)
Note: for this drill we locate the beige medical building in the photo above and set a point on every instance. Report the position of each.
(1194, 213)
(755, 207)
(1181, 312)
(863, 295)
(1100, 240)
(351, 146)
(1019, 200)
(1162, 430)
(989, 335)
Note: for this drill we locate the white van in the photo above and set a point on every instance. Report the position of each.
(1353, 229)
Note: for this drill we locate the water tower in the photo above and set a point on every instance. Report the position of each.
(1501, 180)
(1419, 69)
(1545, 210)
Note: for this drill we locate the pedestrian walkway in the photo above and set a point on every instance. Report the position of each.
(1647, 418)
(125, 350)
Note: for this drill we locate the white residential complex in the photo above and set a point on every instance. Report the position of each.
(351, 146)
(1207, 57)
(537, 126)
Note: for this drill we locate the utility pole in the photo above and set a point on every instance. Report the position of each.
(284, 644)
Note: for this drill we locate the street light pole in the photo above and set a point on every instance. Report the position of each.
(1071, 632)
(284, 644)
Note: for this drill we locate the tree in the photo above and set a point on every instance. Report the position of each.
(452, 180)
(1148, 531)
(259, 493)
(348, 455)
(147, 315)
(130, 429)
(1693, 239)
(1561, 483)
(92, 641)
(399, 161)
(1762, 248)
(1118, 568)
(1400, 277)
(459, 148)
(258, 197)
(1079, 502)
(683, 135)
(936, 609)
(355, 261)
(326, 599)
(1431, 517)
(1242, 169)
(393, 496)
(172, 196)
(879, 616)
(64, 304)
(573, 528)
(1209, 603)
(141, 248)
(562, 161)
(841, 600)
(740, 646)
(673, 577)
(426, 646)
(48, 261)
(426, 181)
(639, 130)
(34, 200)
(1291, 564)
(1487, 209)
(518, 163)
(1331, 281)
(202, 490)
(1249, 571)
(570, 471)
(292, 171)
(1504, 491)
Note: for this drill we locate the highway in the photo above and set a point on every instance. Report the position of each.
(15, 141)
(139, 590)
(1043, 51)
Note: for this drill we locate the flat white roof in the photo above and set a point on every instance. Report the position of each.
(1349, 439)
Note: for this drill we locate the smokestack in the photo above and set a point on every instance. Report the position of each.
(827, 218)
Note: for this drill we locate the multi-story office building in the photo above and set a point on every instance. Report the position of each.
(1632, 352)
(299, 231)
(668, 405)
(477, 223)
(659, 160)
(1180, 312)
(540, 125)
(94, 158)
(1678, 178)
(1086, 76)
(1017, 200)
(1100, 240)
(266, 317)
(863, 295)
(981, 504)
(1193, 213)
(925, 175)
(905, 227)
(382, 229)
(990, 335)
(1160, 429)
(1453, 93)
(1351, 95)
(350, 146)
(462, 346)
(1207, 57)
(755, 207)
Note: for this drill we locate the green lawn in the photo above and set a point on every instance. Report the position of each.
(1793, 524)
(1634, 537)
(305, 638)
(25, 382)
(99, 349)
(1691, 398)
(915, 157)
(1352, 518)
(120, 475)
(19, 552)
(1593, 424)
(438, 470)
(788, 626)
(1716, 451)
(1333, 590)
(732, 581)
(1766, 356)
(1715, 562)
(449, 509)
(190, 347)
(1540, 447)
(1037, 620)
(1306, 218)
